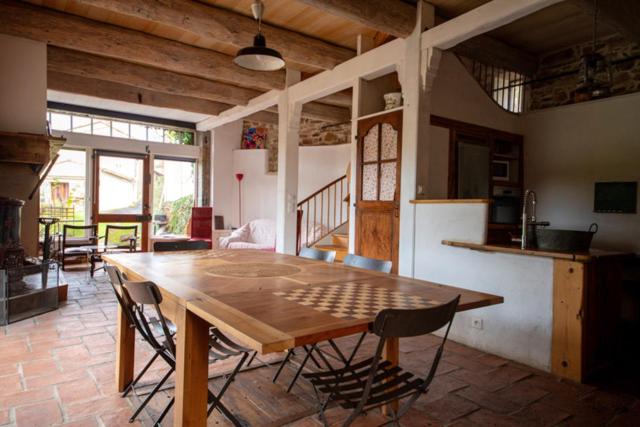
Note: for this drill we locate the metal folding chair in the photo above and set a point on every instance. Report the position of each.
(351, 260)
(143, 294)
(317, 254)
(375, 382)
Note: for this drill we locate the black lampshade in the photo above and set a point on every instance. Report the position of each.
(259, 57)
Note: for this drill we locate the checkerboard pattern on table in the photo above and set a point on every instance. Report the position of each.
(354, 300)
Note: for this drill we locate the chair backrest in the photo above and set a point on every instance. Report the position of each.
(201, 222)
(148, 293)
(120, 235)
(89, 235)
(117, 279)
(313, 253)
(400, 323)
(186, 245)
(367, 263)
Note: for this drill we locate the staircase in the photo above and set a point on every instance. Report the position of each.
(322, 215)
(339, 243)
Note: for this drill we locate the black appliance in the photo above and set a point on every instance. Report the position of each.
(506, 206)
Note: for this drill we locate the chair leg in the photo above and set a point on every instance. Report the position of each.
(151, 394)
(139, 376)
(284, 362)
(217, 404)
(307, 356)
(165, 411)
(253, 356)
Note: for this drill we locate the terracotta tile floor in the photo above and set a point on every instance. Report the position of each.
(58, 369)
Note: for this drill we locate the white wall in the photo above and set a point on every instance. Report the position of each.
(224, 140)
(569, 148)
(23, 106)
(520, 328)
(456, 95)
(318, 166)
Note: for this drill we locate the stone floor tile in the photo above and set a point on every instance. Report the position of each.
(10, 384)
(26, 397)
(86, 422)
(522, 393)
(488, 400)
(449, 408)
(539, 414)
(37, 368)
(5, 417)
(98, 407)
(40, 414)
(78, 391)
(485, 417)
(8, 368)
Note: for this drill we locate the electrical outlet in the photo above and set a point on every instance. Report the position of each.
(476, 323)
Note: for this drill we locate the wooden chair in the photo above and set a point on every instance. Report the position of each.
(375, 382)
(202, 224)
(72, 244)
(367, 263)
(186, 245)
(317, 254)
(146, 298)
(123, 237)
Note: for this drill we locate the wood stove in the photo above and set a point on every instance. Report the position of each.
(27, 287)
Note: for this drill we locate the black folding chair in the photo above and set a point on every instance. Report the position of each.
(375, 382)
(350, 260)
(220, 347)
(186, 245)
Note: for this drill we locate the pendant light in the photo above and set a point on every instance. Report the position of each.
(595, 70)
(259, 57)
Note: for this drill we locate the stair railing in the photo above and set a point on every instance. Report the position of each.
(321, 213)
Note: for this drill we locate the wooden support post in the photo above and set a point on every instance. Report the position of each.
(125, 351)
(192, 369)
(567, 358)
(287, 188)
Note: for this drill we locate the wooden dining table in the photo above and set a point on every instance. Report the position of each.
(269, 302)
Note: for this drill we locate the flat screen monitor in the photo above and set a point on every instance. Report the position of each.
(616, 197)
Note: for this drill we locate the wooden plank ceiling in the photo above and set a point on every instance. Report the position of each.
(155, 50)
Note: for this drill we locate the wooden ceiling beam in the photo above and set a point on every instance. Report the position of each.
(115, 91)
(104, 69)
(149, 78)
(223, 26)
(622, 15)
(72, 32)
(388, 16)
(397, 18)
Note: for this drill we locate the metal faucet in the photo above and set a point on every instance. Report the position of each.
(529, 221)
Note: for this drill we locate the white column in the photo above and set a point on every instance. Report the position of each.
(416, 75)
(287, 189)
(355, 113)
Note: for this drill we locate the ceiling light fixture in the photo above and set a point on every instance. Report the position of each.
(259, 57)
(595, 70)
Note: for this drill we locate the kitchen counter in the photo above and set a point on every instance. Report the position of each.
(513, 249)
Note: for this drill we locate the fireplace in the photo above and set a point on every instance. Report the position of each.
(28, 286)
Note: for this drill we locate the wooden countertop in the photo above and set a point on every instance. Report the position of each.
(443, 201)
(515, 250)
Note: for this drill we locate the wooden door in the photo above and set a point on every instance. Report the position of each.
(121, 184)
(378, 187)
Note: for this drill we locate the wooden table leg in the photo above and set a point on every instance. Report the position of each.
(392, 354)
(125, 351)
(192, 364)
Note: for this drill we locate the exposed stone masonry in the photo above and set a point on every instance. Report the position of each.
(561, 91)
(312, 132)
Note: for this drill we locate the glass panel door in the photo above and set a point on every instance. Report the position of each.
(121, 192)
(174, 189)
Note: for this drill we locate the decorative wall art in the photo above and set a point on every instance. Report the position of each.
(254, 138)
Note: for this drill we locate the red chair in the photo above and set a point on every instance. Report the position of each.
(202, 224)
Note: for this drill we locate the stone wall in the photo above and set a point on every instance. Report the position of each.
(312, 132)
(561, 91)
